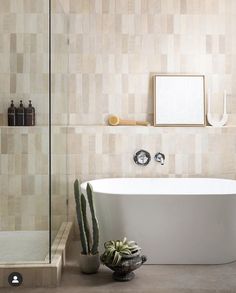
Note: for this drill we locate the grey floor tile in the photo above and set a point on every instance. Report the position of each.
(149, 279)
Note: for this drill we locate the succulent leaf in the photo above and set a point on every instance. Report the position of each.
(115, 250)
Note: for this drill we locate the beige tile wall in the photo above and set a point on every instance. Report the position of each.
(59, 103)
(60, 64)
(24, 152)
(103, 152)
(24, 178)
(117, 45)
(24, 56)
(58, 178)
(96, 152)
(115, 48)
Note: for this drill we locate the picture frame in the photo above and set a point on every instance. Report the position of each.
(179, 100)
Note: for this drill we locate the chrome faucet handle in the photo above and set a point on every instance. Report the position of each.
(142, 158)
(160, 158)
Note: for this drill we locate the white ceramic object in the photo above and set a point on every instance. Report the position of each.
(224, 118)
(89, 264)
(173, 220)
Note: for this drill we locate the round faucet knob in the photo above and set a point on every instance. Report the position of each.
(142, 158)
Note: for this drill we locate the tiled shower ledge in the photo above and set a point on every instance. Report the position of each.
(118, 127)
(149, 130)
(138, 126)
(146, 128)
(22, 127)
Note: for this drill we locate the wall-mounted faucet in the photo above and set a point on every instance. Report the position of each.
(142, 158)
(160, 158)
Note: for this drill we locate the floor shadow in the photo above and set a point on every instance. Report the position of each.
(102, 278)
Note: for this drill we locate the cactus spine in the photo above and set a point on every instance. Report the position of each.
(83, 221)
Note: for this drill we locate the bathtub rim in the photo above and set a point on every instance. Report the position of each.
(83, 187)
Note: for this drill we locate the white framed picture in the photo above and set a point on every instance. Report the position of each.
(179, 100)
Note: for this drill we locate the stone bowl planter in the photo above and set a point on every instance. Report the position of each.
(124, 271)
(89, 264)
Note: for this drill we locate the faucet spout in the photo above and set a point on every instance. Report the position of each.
(160, 158)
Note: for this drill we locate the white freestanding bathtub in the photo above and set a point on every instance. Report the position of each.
(175, 221)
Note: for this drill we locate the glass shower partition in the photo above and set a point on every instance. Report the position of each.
(24, 158)
(33, 185)
(59, 120)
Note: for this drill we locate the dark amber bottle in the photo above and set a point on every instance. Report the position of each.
(12, 115)
(20, 115)
(30, 115)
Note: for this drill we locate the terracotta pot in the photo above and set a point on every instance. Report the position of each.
(89, 264)
(124, 271)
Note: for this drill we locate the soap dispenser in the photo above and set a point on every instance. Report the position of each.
(20, 115)
(12, 115)
(30, 115)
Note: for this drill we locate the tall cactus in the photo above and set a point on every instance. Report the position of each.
(83, 221)
(80, 212)
(94, 249)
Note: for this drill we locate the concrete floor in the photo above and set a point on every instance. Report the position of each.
(149, 279)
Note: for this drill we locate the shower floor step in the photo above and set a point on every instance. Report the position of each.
(36, 273)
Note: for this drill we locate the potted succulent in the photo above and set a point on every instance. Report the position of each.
(89, 257)
(123, 257)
